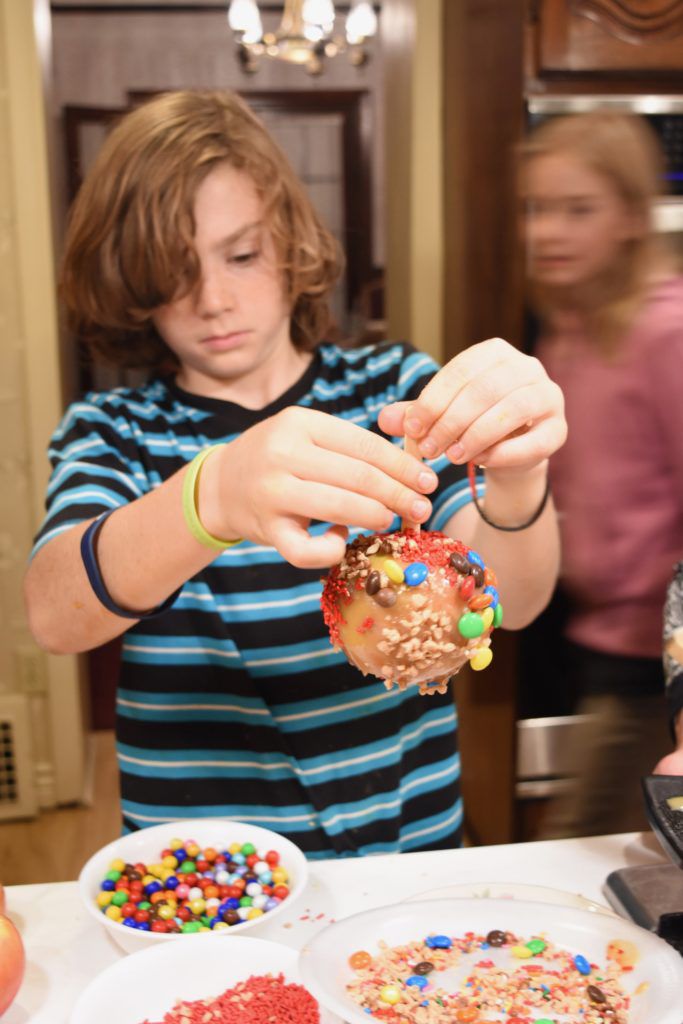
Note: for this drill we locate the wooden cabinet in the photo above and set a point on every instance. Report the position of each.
(607, 36)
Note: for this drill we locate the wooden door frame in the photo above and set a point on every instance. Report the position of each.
(483, 297)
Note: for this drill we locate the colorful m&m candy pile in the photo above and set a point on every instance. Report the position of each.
(412, 607)
(192, 889)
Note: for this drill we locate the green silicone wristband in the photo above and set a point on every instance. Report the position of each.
(190, 513)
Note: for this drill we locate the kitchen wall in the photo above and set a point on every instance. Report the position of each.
(46, 698)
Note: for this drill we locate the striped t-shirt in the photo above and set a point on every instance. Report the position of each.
(233, 703)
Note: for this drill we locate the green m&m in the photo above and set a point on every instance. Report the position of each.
(470, 625)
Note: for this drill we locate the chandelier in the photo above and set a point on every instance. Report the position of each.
(305, 35)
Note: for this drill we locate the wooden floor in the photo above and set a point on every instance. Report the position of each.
(54, 846)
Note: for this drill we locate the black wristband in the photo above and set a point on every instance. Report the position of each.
(499, 526)
(92, 569)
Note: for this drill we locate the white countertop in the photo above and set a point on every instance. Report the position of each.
(65, 948)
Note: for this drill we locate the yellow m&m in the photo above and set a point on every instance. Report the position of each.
(482, 657)
(390, 994)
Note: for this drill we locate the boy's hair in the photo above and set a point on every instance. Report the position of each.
(624, 150)
(129, 243)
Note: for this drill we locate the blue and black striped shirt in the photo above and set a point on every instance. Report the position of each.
(233, 703)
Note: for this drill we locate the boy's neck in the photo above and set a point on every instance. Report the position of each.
(256, 389)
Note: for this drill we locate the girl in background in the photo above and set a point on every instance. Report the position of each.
(609, 301)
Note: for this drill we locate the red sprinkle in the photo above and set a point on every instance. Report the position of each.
(366, 624)
(259, 1000)
(336, 591)
(433, 548)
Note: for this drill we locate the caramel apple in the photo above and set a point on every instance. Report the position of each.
(412, 607)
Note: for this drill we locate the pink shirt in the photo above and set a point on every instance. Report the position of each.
(618, 480)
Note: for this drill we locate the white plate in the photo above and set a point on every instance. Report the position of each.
(324, 961)
(512, 891)
(148, 984)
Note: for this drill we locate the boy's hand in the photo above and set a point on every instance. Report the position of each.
(302, 465)
(491, 404)
(672, 764)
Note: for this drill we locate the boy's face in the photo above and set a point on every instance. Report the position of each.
(236, 322)
(576, 223)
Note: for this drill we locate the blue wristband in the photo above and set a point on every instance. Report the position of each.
(92, 569)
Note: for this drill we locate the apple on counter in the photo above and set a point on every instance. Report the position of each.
(12, 958)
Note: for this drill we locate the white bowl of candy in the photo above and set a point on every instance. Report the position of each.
(190, 877)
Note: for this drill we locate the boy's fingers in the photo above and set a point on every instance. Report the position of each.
(489, 400)
(337, 505)
(334, 435)
(527, 448)
(516, 414)
(294, 542)
(391, 418)
(447, 384)
(365, 479)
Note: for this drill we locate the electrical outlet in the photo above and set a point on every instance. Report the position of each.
(30, 670)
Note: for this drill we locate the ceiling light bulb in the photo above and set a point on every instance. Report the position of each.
(361, 22)
(253, 35)
(243, 16)
(318, 12)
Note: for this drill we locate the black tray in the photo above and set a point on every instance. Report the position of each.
(667, 824)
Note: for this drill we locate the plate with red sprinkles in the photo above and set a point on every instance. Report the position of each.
(492, 961)
(244, 981)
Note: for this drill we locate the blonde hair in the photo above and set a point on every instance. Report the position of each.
(129, 244)
(624, 150)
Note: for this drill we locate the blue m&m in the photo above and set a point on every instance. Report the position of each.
(581, 964)
(415, 573)
(417, 981)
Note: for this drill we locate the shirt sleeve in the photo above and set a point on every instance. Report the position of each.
(95, 467)
(453, 492)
